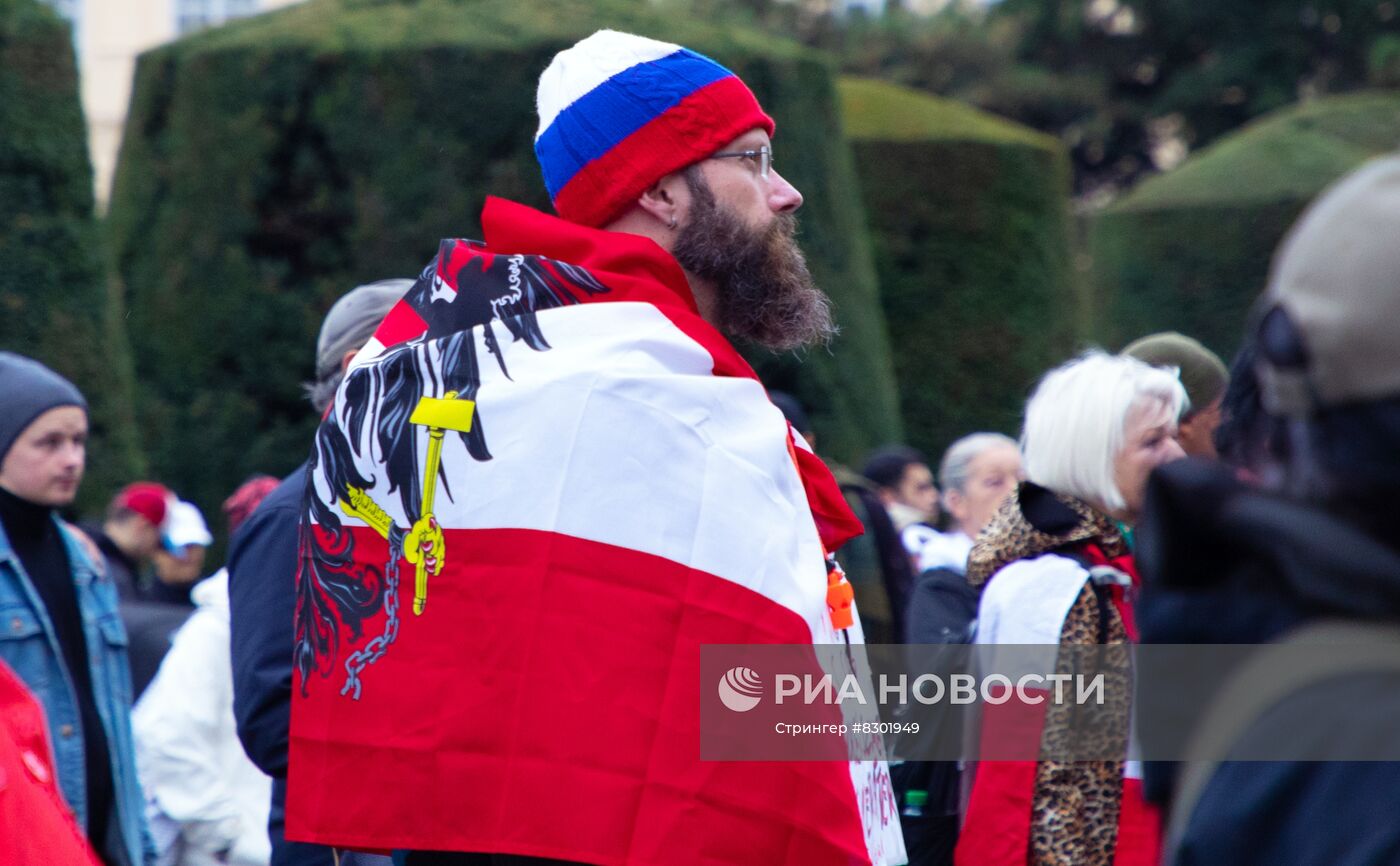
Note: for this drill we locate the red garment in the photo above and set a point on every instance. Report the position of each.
(36, 827)
(543, 699)
(996, 828)
(1119, 594)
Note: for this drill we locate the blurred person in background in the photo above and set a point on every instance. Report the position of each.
(1204, 377)
(179, 562)
(1094, 429)
(978, 472)
(796, 415)
(130, 533)
(207, 803)
(898, 503)
(59, 628)
(904, 484)
(1305, 552)
(879, 568)
(159, 602)
(262, 568)
(875, 563)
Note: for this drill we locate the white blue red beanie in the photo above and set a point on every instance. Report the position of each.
(618, 112)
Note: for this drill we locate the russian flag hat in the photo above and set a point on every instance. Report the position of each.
(618, 112)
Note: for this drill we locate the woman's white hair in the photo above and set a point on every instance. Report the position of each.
(1075, 420)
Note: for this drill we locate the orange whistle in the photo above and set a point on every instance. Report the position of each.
(839, 596)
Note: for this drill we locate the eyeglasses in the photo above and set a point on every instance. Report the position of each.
(762, 157)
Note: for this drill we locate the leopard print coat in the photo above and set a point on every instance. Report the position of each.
(1075, 805)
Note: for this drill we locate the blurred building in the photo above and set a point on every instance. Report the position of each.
(107, 36)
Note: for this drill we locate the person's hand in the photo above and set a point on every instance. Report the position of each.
(425, 542)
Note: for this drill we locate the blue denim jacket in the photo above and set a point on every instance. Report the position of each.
(29, 646)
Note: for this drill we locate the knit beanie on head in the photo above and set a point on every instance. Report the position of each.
(28, 389)
(618, 112)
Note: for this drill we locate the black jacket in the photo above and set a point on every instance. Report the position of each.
(942, 608)
(1222, 563)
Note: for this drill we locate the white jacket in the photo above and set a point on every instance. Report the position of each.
(190, 761)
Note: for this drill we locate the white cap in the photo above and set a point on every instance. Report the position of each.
(184, 525)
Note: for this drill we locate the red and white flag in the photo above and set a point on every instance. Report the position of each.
(540, 490)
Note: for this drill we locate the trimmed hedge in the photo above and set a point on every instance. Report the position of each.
(273, 163)
(55, 301)
(970, 219)
(1189, 250)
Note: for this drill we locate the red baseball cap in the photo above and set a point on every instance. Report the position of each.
(146, 498)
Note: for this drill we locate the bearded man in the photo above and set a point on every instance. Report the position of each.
(549, 480)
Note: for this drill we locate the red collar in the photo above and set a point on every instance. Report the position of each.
(511, 228)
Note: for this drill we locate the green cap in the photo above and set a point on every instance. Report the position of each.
(916, 798)
(1202, 373)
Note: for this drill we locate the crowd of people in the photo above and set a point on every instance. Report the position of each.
(151, 768)
(641, 495)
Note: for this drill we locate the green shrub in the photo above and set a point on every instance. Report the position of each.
(969, 216)
(56, 304)
(1189, 250)
(271, 164)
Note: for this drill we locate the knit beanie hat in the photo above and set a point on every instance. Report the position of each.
(618, 112)
(1200, 370)
(28, 389)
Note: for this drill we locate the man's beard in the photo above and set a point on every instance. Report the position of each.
(763, 290)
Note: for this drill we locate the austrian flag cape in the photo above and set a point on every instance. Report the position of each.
(542, 487)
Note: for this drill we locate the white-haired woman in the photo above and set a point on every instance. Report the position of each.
(978, 472)
(1094, 430)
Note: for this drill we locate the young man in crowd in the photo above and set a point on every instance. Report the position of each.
(904, 483)
(130, 533)
(179, 563)
(59, 628)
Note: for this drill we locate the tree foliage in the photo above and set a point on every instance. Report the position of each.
(1190, 250)
(1128, 85)
(1198, 70)
(56, 303)
(969, 217)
